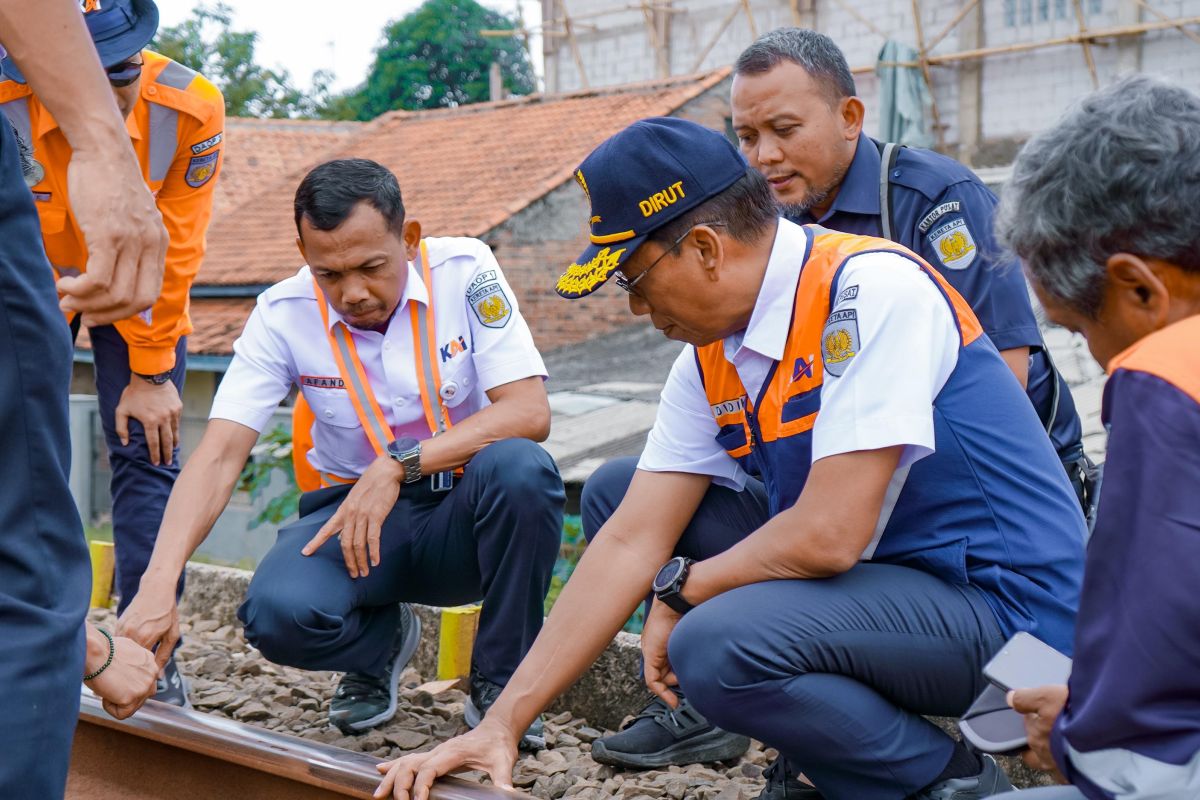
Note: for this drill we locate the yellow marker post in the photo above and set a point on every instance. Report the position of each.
(103, 563)
(456, 640)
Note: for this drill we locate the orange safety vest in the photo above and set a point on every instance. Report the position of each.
(770, 434)
(351, 371)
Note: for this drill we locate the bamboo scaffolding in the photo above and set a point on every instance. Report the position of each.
(716, 38)
(660, 52)
(951, 25)
(1163, 16)
(923, 60)
(1085, 44)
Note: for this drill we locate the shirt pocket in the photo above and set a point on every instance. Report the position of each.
(459, 381)
(333, 407)
(62, 248)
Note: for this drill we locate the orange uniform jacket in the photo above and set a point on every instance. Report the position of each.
(177, 132)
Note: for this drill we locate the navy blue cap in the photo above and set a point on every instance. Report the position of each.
(119, 29)
(652, 172)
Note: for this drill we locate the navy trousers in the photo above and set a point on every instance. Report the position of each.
(835, 673)
(45, 580)
(139, 488)
(493, 537)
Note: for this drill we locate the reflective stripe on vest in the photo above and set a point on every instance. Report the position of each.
(164, 121)
(350, 368)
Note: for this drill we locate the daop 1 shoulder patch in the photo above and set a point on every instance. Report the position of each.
(201, 169)
(840, 341)
(954, 244)
(491, 305)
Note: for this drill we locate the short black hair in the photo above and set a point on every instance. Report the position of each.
(747, 209)
(823, 60)
(330, 191)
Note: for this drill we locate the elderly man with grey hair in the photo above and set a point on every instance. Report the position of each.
(1102, 212)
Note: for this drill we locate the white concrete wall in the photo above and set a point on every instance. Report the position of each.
(1021, 93)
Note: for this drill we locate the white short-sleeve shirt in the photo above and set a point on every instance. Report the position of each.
(482, 342)
(884, 395)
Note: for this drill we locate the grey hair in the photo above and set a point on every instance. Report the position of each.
(815, 52)
(1120, 172)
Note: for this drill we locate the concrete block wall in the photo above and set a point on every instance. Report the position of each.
(1020, 93)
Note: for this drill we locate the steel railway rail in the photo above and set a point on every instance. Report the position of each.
(169, 753)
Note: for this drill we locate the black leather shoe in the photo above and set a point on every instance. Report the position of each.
(660, 737)
(363, 701)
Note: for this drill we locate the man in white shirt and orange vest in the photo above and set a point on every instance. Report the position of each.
(909, 513)
(427, 398)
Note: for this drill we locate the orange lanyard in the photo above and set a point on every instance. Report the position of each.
(429, 378)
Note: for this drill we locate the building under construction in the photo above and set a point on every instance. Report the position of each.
(992, 71)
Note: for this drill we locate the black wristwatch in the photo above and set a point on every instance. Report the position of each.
(157, 380)
(668, 583)
(408, 453)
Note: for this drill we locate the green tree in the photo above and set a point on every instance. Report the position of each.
(437, 57)
(207, 43)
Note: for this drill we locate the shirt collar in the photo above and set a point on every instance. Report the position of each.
(414, 290)
(859, 191)
(772, 317)
(47, 123)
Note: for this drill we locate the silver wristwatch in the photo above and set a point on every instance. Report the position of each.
(408, 453)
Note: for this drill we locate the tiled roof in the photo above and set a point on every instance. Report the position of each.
(463, 171)
(216, 322)
(261, 152)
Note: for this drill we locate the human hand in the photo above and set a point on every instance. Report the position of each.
(1041, 707)
(360, 517)
(491, 747)
(158, 408)
(125, 237)
(152, 620)
(128, 680)
(656, 632)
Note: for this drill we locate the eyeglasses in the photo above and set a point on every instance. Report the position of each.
(628, 284)
(124, 74)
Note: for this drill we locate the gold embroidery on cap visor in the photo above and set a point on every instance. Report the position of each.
(582, 279)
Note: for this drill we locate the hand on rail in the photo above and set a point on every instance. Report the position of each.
(129, 678)
(491, 747)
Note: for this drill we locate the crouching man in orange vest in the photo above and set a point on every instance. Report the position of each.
(427, 397)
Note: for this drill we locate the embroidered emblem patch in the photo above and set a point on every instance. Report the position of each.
(849, 293)
(938, 213)
(735, 406)
(201, 169)
(582, 279)
(491, 305)
(954, 245)
(839, 341)
(42, 197)
(207, 144)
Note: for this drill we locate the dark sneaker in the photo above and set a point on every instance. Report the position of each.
(172, 688)
(782, 784)
(660, 737)
(990, 781)
(363, 701)
(483, 695)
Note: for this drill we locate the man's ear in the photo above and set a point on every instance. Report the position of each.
(300, 246)
(411, 233)
(710, 250)
(1137, 291)
(852, 113)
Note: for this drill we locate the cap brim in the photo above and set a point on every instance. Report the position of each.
(593, 269)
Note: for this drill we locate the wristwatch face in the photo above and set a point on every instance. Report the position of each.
(399, 448)
(668, 574)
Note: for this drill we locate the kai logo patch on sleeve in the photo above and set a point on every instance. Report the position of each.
(201, 169)
(839, 341)
(954, 244)
(491, 305)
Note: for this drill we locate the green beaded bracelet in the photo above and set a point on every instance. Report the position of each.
(112, 651)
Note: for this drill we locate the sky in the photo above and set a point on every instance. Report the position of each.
(303, 36)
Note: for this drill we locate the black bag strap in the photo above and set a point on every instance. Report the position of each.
(887, 161)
